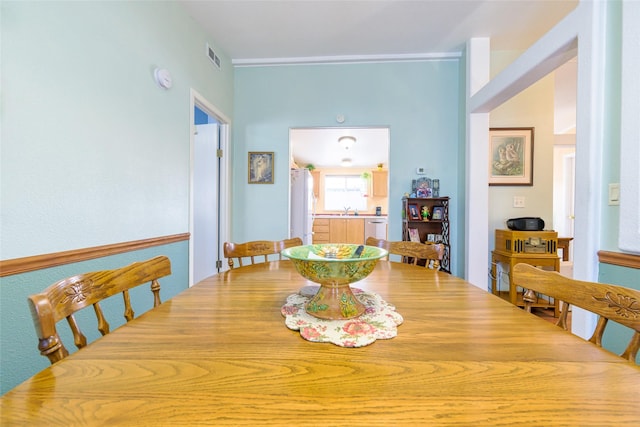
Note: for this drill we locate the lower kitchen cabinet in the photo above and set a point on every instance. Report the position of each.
(343, 230)
(338, 230)
(321, 230)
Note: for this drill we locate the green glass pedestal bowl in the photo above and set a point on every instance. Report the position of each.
(334, 266)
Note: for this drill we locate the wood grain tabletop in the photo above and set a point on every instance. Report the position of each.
(219, 354)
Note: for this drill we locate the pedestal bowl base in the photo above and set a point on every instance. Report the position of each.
(333, 302)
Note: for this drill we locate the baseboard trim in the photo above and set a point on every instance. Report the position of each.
(37, 262)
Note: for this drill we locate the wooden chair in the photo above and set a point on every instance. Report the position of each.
(257, 248)
(609, 302)
(68, 296)
(412, 251)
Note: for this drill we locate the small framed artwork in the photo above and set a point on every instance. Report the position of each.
(511, 156)
(260, 167)
(438, 213)
(423, 193)
(414, 213)
(414, 236)
(431, 237)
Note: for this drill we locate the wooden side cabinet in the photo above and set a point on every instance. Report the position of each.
(537, 248)
(433, 230)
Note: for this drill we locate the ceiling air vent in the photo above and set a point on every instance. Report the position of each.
(213, 57)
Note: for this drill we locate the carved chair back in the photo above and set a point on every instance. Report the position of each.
(66, 297)
(411, 252)
(260, 249)
(609, 302)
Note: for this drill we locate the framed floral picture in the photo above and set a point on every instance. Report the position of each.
(511, 156)
(414, 236)
(260, 167)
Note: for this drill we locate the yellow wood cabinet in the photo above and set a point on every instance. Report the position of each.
(321, 230)
(342, 230)
(355, 231)
(380, 183)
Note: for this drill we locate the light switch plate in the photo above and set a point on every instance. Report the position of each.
(518, 201)
(614, 194)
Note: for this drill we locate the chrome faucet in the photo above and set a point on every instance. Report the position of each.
(346, 210)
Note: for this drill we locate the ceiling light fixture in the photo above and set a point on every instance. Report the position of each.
(346, 141)
(345, 163)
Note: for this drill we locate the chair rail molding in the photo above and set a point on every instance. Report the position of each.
(619, 259)
(37, 262)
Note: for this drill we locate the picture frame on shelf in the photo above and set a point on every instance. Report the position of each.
(431, 238)
(414, 213)
(511, 156)
(437, 213)
(261, 167)
(414, 236)
(423, 193)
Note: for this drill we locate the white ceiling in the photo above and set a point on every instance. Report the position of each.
(250, 30)
(319, 146)
(288, 31)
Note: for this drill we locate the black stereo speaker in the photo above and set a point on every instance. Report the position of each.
(525, 224)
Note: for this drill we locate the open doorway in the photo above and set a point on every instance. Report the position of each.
(349, 171)
(209, 224)
(564, 161)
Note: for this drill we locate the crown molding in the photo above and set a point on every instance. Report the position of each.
(346, 59)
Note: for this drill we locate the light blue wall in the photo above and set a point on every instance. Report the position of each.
(611, 155)
(419, 101)
(93, 152)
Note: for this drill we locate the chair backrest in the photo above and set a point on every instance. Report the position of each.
(609, 302)
(411, 251)
(258, 248)
(67, 296)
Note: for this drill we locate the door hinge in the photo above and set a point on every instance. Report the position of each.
(219, 153)
(219, 264)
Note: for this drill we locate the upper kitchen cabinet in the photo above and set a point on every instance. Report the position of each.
(380, 183)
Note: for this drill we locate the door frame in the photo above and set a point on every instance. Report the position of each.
(224, 208)
(583, 28)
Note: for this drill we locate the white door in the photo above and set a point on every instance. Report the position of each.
(564, 185)
(569, 182)
(205, 201)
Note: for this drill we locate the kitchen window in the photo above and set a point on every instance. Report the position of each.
(345, 191)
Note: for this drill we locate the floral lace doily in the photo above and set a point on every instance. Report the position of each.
(379, 321)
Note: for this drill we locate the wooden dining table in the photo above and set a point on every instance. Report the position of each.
(219, 354)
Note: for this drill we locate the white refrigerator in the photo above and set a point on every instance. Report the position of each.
(302, 205)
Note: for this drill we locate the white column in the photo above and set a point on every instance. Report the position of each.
(477, 188)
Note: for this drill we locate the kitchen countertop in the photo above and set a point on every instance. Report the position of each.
(351, 216)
